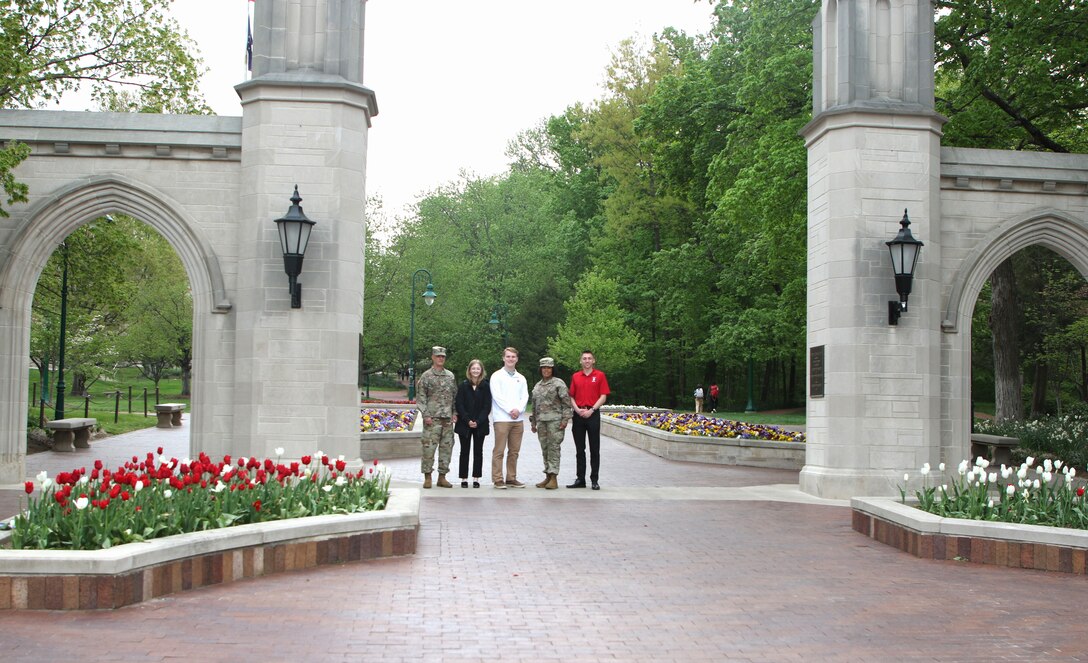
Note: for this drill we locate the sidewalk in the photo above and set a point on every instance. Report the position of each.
(668, 561)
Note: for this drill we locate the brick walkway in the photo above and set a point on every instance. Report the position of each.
(668, 562)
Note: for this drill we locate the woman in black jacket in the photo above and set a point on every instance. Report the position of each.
(473, 404)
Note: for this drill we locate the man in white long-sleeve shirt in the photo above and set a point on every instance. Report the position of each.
(509, 396)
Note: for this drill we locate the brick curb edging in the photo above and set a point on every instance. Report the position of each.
(927, 536)
(713, 450)
(137, 572)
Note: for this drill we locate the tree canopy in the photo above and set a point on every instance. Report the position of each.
(132, 55)
(672, 209)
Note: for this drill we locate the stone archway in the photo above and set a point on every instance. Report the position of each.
(47, 224)
(888, 397)
(1061, 232)
(267, 375)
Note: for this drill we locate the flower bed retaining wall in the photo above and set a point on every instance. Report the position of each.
(383, 446)
(136, 572)
(714, 450)
(928, 536)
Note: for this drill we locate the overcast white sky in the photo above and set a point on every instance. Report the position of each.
(455, 80)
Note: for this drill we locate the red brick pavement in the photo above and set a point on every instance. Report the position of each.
(601, 579)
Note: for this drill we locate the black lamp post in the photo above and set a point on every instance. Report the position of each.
(498, 321)
(294, 229)
(59, 411)
(428, 297)
(904, 249)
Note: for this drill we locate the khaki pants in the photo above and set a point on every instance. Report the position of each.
(507, 435)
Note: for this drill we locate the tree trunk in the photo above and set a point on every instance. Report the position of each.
(1004, 314)
(1038, 389)
(187, 378)
(79, 384)
(1083, 386)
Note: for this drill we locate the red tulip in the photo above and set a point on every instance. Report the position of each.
(28, 487)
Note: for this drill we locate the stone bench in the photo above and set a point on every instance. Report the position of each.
(71, 434)
(169, 414)
(1000, 446)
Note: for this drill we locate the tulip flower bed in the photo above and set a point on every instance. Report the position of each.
(701, 426)
(1044, 494)
(379, 420)
(157, 497)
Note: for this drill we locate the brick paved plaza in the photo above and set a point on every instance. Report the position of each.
(668, 562)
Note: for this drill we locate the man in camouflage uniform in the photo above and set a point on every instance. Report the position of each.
(549, 419)
(434, 400)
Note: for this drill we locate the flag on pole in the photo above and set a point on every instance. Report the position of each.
(249, 35)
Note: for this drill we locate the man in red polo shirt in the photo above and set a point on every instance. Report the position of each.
(588, 392)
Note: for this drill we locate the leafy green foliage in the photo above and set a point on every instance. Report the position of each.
(132, 55)
(594, 321)
(1014, 69)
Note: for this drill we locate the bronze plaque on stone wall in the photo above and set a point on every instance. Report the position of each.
(816, 371)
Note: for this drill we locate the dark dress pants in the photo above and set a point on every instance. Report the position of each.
(580, 428)
(476, 436)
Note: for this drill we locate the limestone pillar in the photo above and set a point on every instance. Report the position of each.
(874, 150)
(305, 116)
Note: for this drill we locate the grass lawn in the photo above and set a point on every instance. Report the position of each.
(102, 400)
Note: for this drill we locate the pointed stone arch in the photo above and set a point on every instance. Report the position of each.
(51, 220)
(1061, 232)
(47, 224)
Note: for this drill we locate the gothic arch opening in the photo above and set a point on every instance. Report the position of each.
(48, 224)
(1014, 305)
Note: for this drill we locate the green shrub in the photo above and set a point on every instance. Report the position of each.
(1057, 437)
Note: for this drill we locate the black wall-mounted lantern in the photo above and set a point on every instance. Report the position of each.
(294, 230)
(904, 249)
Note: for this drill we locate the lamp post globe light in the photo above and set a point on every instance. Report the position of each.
(498, 321)
(904, 250)
(428, 298)
(294, 228)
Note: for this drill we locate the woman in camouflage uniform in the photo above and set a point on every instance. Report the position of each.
(550, 415)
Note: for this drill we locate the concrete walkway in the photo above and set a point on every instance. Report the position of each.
(668, 562)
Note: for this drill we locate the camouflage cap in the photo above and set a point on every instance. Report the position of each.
(547, 362)
(438, 351)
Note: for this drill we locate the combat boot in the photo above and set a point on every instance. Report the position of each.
(427, 480)
(552, 482)
(442, 483)
(544, 483)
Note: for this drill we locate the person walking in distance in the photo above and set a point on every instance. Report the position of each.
(509, 396)
(551, 413)
(588, 392)
(714, 397)
(435, 391)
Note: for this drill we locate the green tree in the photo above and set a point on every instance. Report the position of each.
(98, 292)
(595, 321)
(485, 241)
(1011, 75)
(52, 47)
(157, 326)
